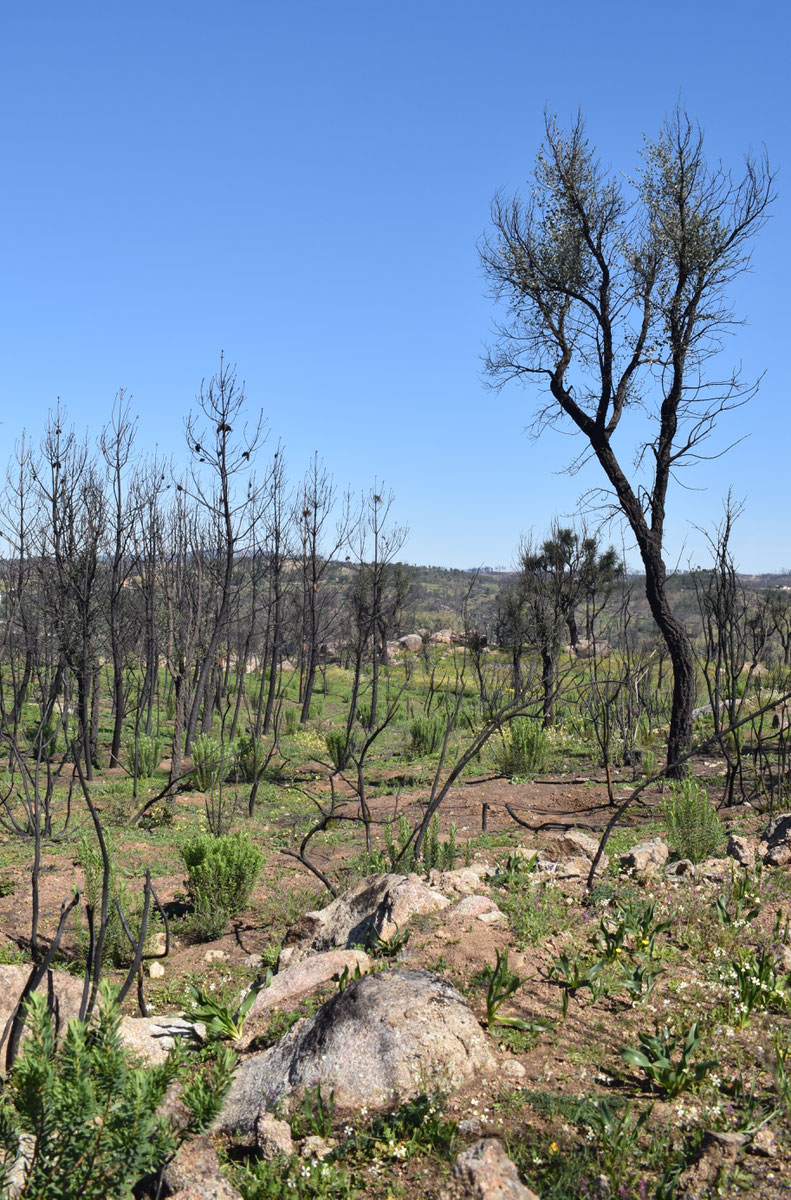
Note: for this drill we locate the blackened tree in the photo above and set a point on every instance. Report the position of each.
(616, 304)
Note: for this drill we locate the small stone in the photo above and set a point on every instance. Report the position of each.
(195, 1171)
(682, 867)
(729, 1143)
(253, 961)
(485, 1172)
(155, 970)
(574, 844)
(470, 1125)
(763, 1143)
(215, 956)
(473, 906)
(646, 858)
(492, 918)
(316, 1147)
(513, 1070)
(573, 868)
(742, 849)
(273, 1137)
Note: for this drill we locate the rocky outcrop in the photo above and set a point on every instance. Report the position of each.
(384, 1039)
(380, 906)
(647, 858)
(306, 976)
(151, 1038)
(194, 1173)
(410, 641)
(775, 845)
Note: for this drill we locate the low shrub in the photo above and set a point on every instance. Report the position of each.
(426, 734)
(208, 762)
(524, 749)
(693, 826)
(221, 875)
(90, 1120)
(149, 753)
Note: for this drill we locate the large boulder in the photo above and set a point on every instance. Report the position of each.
(380, 906)
(411, 641)
(382, 1040)
(306, 976)
(151, 1038)
(63, 991)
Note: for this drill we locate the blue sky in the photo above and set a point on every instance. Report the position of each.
(303, 186)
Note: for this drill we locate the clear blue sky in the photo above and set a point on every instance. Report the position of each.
(303, 185)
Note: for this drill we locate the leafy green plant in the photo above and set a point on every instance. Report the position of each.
(693, 825)
(418, 1126)
(535, 912)
(649, 764)
(159, 816)
(221, 875)
(426, 734)
(502, 983)
(655, 1058)
(755, 983)
(243, 759)
(515, 870)
(116, 949)
(208, 762)
(339, 748)
(315, 1114)
(782, 1069)
(293, 1179)
(639, 979)
(742, 904)
(607, 1142)
(346, 977)
(222, 1021)
(90, 1119)
(437, 853)
(642, 924)
(379, 947)
(149, 753)
(572, 974)
(524, 749)
(611, 939)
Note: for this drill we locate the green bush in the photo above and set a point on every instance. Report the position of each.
(221, 875)
(149, 753)
(117, 949)
(208, 762)
(338, 748)
(693, 826)
(524, 749)
(243, 756)
(426, 735)
(89, 1119)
